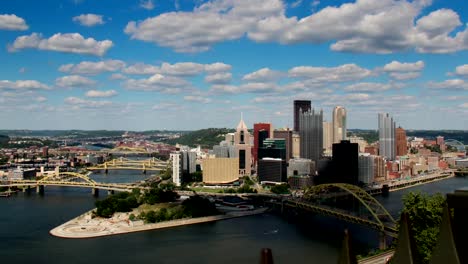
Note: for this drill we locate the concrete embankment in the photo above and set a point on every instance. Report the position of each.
(84, 226)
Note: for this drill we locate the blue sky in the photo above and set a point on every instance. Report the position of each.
(179, 64)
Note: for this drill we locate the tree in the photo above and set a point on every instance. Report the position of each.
(425, 214)
(280, 189)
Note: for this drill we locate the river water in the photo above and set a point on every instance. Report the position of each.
(26, 219)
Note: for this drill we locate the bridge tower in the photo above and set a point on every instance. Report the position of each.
(40, 189)
(95, 192)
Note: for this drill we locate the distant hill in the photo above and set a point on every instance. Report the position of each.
(373, 135)
(206, 138)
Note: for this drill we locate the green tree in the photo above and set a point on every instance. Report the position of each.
(425, 213)
(280, 189)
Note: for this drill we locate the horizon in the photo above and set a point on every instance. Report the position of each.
(135, 64)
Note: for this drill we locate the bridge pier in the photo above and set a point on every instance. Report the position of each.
(144, 171)
(27, 189)
(40, 189)
(382, 241)
(110, 192)
(95, 192)
(106, 171)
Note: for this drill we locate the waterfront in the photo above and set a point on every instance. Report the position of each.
(27, 219)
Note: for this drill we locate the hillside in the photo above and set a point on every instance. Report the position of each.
(206, 138)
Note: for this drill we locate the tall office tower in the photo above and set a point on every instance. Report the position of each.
(243, 147)
(287, 136)
(261, 132)
(176, 159)
(296, 145)
(386, 136)
(401, 143)
(339, 124)
(441, 142)
(311, 133)
(345, 162)
(300, 106)
(327, 138)
(273, 148)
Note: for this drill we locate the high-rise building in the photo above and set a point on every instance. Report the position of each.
(366, 168)
(300, 106)
(401, 143)
(287, 136)
(387, 136)
(441, 142)
(339, 124)
(296, 145)
(311, 133)
(243, 148)
(380, 169)
(261, 132)
(345, 162)
(327, 138)
(272, 170)
(176, 159)
(273, 148)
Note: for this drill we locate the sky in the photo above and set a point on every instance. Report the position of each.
(186, 65)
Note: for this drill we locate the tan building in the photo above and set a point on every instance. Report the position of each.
(360, 141)
(296, 145)
(327, 138)
(401, 142)
(380, 169)
(339, 124)
(243, 147)
(220, 170)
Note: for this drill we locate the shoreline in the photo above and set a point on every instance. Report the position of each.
(430, 180)
(83, 226)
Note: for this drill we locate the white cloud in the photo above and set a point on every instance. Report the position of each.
(370, 87)
(343, 73)
(74, 81)
(363, 26)
(82, 103)
(89, 20)
(96, 93)
(465, 105)
(12, 22)
(90, 67)
(117, 76)
(41, 99)
(219, 78)
(217, 67)
(158, 83)
(182, 68)
(396, 66)
(148, 4)
(23, 85)
(141, 68)
(194, 98)
(69, 42)
(451, 85)
(404, 75)
(462, 70)
(263, 75)
(209, 23)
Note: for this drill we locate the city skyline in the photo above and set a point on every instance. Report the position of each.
(140, 65)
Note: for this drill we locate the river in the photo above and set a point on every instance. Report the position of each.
(26, 219)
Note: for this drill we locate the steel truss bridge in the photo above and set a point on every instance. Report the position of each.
(67, 179)
(322, 199)
(122, 163)
(128, 150)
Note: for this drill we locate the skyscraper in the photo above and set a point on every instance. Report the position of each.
(339, 124)
(401, 149)
(311, 133)
(386, 136)
(300, 106)
(327, 138)
(243, 147)
(260, 131)
(287, 136)
(345, 162)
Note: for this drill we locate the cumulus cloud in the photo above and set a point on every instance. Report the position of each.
(263, 75)
(141, 68)
(68, 42)
(462, 70)
(23, 85)
(82, 103)
(217, 67)
(148, 4)
(343, 73)
(404, 75)
(371, 87)
(96, 93)
(364, 26)
(404, 70)
(90, 67)
(450, 85)
(41, 99)
(158, 83)
(177, 69)
(12, 22)
(199, 99)
(74, 81)
(117, 76)
(219, 78)
(89, 20)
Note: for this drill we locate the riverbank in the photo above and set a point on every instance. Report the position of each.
(84, 226)
(419, 181)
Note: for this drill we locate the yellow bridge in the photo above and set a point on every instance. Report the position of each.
(121, 163)
(67, 179)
